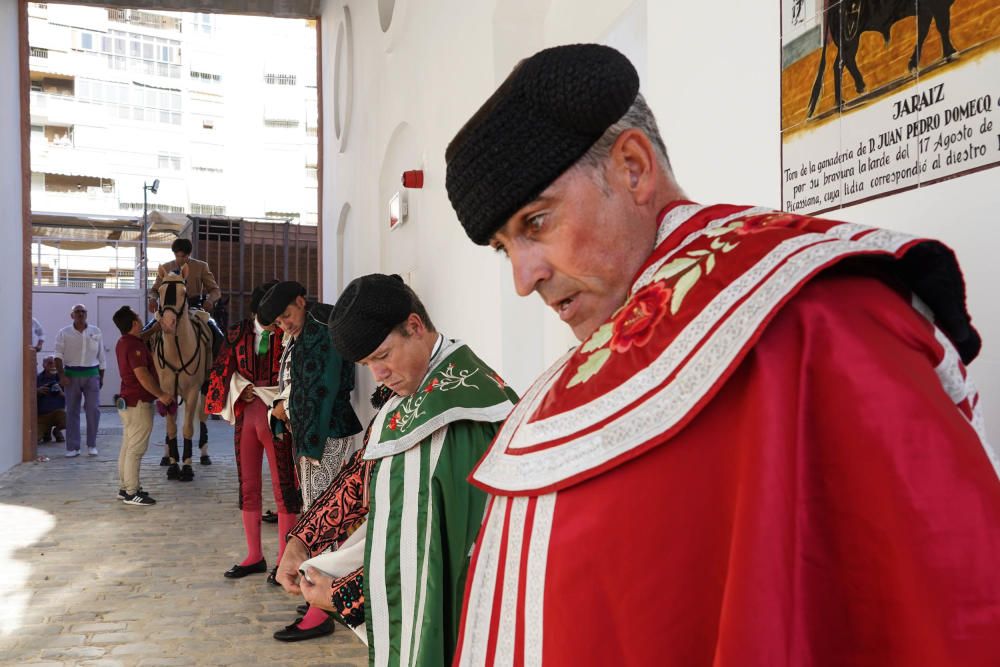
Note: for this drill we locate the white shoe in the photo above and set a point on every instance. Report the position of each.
(72, 452)
(92, 451)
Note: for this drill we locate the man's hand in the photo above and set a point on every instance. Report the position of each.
(318, 593)
(151, 306)
(247, 394)
(38, 347)
(279, 411)
(295, 554)
(166, 399)
(44, 389)
(63, 381)
(208, 305)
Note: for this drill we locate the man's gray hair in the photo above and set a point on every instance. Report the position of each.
(638, 116)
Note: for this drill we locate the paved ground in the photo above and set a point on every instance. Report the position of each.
(87, 580)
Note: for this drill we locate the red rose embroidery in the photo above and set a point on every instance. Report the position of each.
(431, 385)
(634, 324)
(761, 223)
(394, 422)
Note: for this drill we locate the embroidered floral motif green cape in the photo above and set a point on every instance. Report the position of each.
(460, 386)
(321, 388)
(424, 515)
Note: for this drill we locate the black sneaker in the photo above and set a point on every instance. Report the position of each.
(123, 494)
(138, 500)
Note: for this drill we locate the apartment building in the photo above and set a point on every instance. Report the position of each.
(221, 109)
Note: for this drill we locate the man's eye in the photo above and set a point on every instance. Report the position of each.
(535, 222)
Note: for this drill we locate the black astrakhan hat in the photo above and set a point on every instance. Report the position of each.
(366, 312)
(277, 299)
(258, 294)
(543, 118)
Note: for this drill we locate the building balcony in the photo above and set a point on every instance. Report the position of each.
(54, 107)
(93, 201)
(64, 158)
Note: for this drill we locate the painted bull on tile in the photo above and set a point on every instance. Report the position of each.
(847, 20)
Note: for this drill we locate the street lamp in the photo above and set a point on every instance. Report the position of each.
(144, 271)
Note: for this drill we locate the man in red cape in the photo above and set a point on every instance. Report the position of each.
(765, 451)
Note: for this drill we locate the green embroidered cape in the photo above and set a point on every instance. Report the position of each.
(424, 515)
(321, 387)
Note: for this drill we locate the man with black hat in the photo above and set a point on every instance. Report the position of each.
(768, 417)
(424, 515)
(241, 387)
(314, 403)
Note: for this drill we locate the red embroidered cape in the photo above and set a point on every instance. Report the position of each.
(239, 355)
(760, 460)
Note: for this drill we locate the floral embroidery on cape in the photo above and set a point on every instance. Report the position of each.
(635, 323)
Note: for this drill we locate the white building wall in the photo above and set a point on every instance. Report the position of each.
(11, 301)
(710, 72)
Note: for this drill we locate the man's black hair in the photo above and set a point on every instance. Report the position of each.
(123, 319)
(181, 245)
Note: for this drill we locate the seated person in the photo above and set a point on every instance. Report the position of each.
(51, 403)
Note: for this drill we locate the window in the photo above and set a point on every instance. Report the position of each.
(169, 161)
(86, 41)
(144, 18)
(207, 209)
(280, 79)
(135, 101)
(137, 206)
(280, 123)
(205, 76)
(204, 23)
(37, 52)
(281, 215)
(207, 124)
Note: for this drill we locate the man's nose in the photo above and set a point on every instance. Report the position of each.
(529, 266)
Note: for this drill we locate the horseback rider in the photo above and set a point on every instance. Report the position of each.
(202, 289)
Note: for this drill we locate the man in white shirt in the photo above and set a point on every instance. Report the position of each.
(79, 357)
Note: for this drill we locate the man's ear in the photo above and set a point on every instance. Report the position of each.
(416, 325)
(633, 158)
(300, 301)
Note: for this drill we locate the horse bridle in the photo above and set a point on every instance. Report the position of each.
(172, 295)
(200, 334)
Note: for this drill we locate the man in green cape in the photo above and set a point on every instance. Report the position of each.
(314, 402)
(424, 516)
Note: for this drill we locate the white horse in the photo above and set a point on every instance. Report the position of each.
(182, 354)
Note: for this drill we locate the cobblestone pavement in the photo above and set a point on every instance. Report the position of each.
(87, 580)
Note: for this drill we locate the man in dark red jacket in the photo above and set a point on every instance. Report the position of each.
(766, 450)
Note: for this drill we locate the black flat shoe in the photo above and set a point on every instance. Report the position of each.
(293, 634)
(206, 460)
(165, 461)
(187, 474)
(269, 517)
(240, 571)
(272, 578)
(174, 471)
